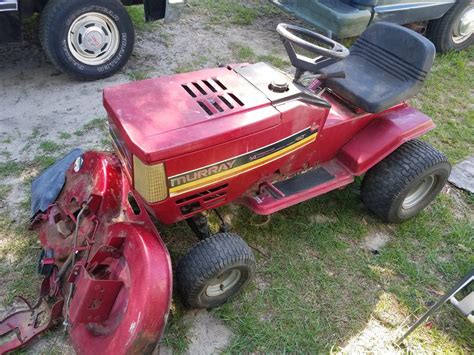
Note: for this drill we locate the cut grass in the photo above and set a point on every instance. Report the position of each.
(18, 251)
(49, 146)
(244, 53)
(11, 168)
(96, 123)
(196, 64)
(447, 98)
(316, 288)
(231, 12)
(137, 14)
(138, 75)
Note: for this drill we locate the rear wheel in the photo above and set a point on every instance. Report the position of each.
(455, 29)
(214, 270)
(405, 182)
(87, 39)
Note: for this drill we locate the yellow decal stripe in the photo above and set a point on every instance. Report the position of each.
(240, 169)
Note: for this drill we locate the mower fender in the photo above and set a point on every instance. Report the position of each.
(122, 273)
(140, 311)
(382, 136)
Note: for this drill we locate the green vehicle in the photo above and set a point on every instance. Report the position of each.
(449, 24)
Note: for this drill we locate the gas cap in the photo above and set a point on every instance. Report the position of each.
(280, 85)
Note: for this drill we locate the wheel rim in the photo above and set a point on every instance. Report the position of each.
(464, 27)
(93, 38)
(223, 283)
(419, 192)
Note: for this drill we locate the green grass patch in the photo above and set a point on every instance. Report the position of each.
(138, 75)
(22, 247)
(231, 12)
(11, 168)
(244, 53)
(195, 64)
(49, 146)
(448, 100)
(316, 287)
(137, 14)
(96, 123)
(64, 135)
(43, 161)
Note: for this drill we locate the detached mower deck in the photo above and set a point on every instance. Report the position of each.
(189, 143)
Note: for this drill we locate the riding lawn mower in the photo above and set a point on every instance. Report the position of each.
(188, 143)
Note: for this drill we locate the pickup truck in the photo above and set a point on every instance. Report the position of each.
(87, 39)
(449, 24)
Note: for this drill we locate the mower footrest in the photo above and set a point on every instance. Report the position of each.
(285, 193)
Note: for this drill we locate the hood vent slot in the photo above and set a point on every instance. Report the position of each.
(217, 99)
(189, 91)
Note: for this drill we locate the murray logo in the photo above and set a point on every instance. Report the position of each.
(201, 173)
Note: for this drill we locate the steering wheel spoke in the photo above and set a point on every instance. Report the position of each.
(292, 36)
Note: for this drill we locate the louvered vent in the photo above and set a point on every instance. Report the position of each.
(212, 96)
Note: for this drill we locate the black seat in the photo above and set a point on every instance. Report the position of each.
(386, 65)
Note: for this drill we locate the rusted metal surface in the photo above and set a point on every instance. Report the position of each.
(28, 323)
(109, 261)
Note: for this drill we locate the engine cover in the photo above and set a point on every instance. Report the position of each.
(165, 117)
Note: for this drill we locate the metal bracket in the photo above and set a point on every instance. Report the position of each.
(93, 299)
(27, 324)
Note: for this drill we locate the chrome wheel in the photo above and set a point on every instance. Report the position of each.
(419, 192)
(223, 283)
(93, 38)
(464, 27)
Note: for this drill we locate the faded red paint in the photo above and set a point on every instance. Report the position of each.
(141, 265)
(159, 122)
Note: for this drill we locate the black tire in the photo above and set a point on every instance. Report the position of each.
(440, 31)
(58, 18)
(389, 188)
(223, 254)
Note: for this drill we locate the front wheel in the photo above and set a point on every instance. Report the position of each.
(405, 182)
(87, 39)
(214, 270)
(455, 30)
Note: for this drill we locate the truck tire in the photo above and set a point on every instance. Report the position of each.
(87, 39)
(214, 270)
(405, 182)
(452, 31)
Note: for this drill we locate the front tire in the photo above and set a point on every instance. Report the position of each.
(453, 31)
(214, 270)
(405, 182)
(87, 39)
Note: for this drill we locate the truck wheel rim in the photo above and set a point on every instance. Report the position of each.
(93, 38)
(418, 193)
(223, 283)
(464, 27)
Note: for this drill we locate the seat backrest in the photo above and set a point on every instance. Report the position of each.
(397, 50)
(365, 2)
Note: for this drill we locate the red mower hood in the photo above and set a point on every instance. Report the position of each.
(169, 116)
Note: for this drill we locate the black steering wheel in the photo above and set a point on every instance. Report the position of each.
(326, 56)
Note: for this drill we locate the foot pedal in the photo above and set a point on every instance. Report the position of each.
(304, 181)
(285, 193)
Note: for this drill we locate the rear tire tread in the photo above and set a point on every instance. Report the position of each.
(385, 182)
